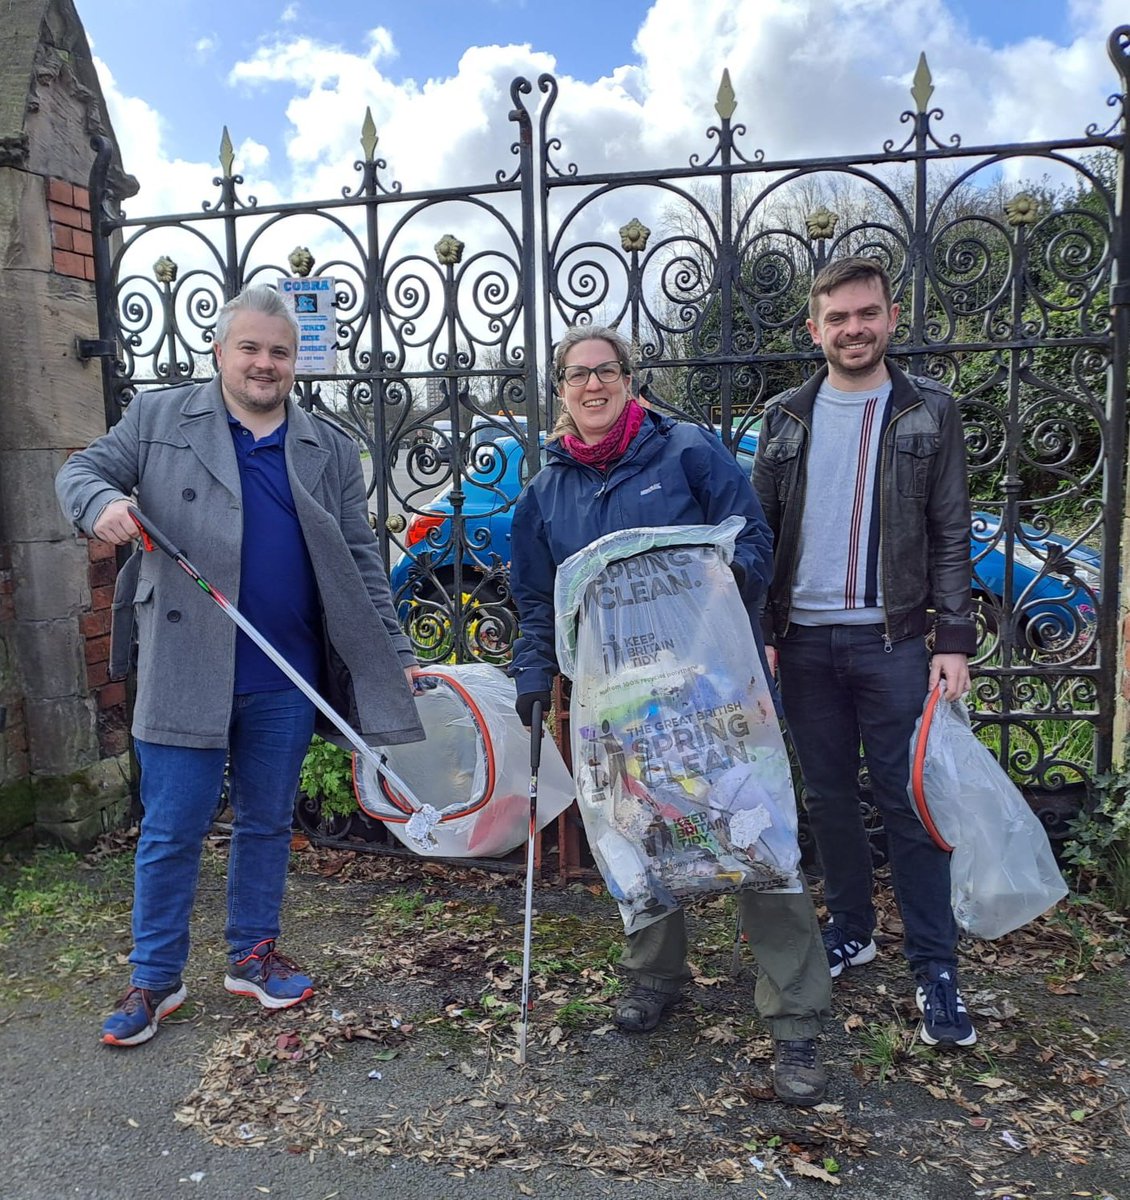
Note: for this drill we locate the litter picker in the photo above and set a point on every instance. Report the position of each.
(736, 961)
(151, 536)
(527, 935)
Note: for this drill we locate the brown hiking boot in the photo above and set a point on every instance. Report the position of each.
(798, 1074)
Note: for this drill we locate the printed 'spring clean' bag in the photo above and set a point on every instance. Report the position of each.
(681, 773)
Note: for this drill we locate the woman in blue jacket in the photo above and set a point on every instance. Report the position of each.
(613, 465)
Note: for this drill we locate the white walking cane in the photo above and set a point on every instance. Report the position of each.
(535, 762)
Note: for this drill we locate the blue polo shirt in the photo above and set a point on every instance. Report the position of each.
(277, 593)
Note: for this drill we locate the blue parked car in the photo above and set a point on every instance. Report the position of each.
(1055, 585)
(426, 570)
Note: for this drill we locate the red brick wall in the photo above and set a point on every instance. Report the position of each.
(68, 207)
(110, 696)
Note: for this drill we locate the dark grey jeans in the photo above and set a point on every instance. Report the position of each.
(841, 688)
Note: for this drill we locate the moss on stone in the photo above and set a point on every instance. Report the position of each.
(72, 809)
(17, 807)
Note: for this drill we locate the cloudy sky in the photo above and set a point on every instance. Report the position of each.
(291, 79)
(638, 80)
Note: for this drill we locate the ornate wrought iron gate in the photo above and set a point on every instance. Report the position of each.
(1011, 264)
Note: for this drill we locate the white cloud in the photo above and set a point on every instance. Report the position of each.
(167, 185)
(832, 79)
(810, 79)
(204, 47)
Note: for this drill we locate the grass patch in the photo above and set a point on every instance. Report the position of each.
(885, 1045)
(1081, 942)
(577, 1013)
(406, 911)
(59, 893)
(576, 943)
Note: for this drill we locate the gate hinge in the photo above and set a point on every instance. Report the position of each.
(1120, 294)
(88, 348)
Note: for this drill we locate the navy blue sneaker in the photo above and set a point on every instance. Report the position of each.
(268, 976)
(944, 1019)
(844, 950)
(139, 1012)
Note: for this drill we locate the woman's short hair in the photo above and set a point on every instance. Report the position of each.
(576, 334)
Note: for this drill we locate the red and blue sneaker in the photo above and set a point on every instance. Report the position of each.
(270, 977)
(139, 1012)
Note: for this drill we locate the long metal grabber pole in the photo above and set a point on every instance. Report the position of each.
(527, 935)
(151, 536)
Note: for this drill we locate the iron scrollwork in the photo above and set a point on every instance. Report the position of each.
(448, 303)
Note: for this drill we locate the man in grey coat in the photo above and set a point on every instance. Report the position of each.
(270, 502)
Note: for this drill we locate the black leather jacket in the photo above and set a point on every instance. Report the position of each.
(924, 508)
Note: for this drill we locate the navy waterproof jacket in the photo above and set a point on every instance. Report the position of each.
(673, 473)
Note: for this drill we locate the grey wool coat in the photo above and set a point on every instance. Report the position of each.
(174, 447)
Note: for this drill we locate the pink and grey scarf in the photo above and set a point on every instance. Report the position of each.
(610, 447)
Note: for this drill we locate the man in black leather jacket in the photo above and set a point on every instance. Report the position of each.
(861, 473)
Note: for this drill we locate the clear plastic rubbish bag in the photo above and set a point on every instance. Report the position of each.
(1002, 870)
(467, 786)
(681, 773)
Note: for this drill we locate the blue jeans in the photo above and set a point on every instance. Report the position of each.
(180, 786)
(841, 687)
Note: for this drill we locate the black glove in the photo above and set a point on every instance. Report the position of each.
(739, 574)
(524, 705)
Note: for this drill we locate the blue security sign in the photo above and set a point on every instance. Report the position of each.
(313, 301)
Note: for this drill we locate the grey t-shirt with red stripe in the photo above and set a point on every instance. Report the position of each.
(837, 579)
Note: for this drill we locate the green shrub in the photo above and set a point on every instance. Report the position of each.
(327, 772)
(1099, 847)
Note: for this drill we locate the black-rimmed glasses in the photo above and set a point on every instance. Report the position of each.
(606, 372)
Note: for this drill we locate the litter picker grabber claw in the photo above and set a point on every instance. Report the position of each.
(151, 536)
(527, 935)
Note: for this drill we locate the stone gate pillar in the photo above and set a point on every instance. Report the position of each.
(62, 725)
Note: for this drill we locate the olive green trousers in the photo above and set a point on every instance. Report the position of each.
(793, 994)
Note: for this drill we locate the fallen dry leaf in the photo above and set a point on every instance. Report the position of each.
(1064, 989)
(809, 1170)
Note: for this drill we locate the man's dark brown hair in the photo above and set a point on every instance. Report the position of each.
(847, 270)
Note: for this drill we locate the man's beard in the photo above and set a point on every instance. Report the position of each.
(860, 366)
(258, 402)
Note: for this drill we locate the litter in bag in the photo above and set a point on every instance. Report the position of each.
(1002, 870)
(467, 786)
(681, 774)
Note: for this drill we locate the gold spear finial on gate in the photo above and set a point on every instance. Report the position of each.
(227, 154)
(726, 101)
(369, 135)
(923, 87)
